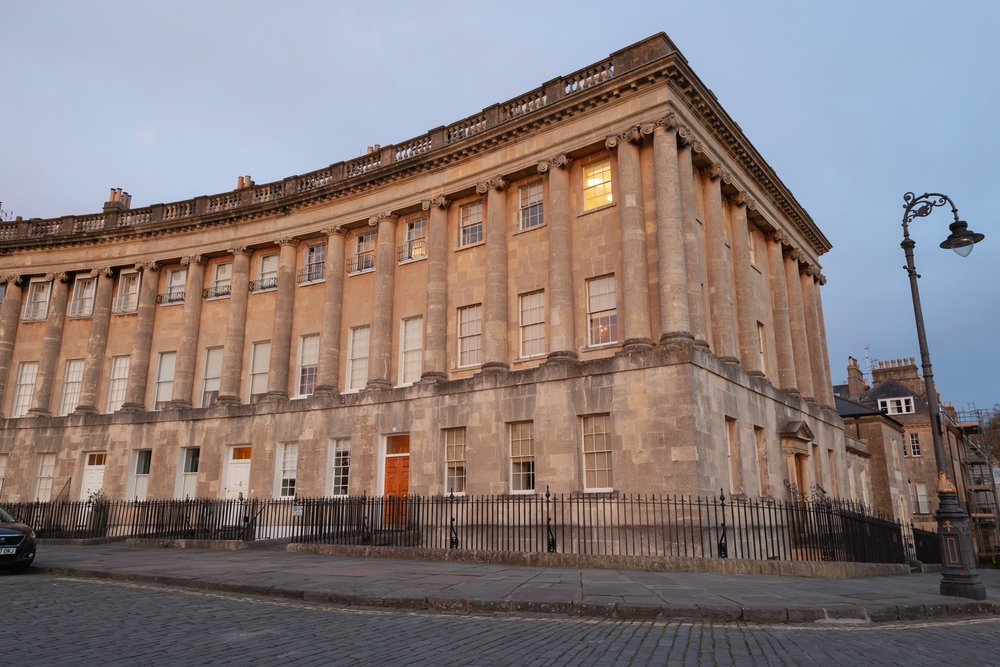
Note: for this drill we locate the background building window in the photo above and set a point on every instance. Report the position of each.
(597, 452)
(82, 304)
(289, 464)
(470, 224)
(37, 307)
(267, 272)
(189, 481)
(454, 455)
(46, 471)
(175, 286)
(211, 376)
(364, 253)
(357, 367)
(532, 324)
(117, 382)
(415, 242)
(260, 357)
(127, 300)
(24, 391)
(470, 338)
(597, 185)
(915, 444)
(308, 364)
(896, 406)
(531, 212)
(72, 380)
(522, 456)
(315, 263)
(923, 502)
(601, 311)
(164, 380)
(411, 341)
(341, 466)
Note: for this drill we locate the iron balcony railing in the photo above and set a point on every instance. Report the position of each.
(216, 291)
(310, 274)
(415, 249)
(174, 296)
(264, 284)
(363, 261)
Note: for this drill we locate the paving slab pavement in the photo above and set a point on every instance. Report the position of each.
(387, 582)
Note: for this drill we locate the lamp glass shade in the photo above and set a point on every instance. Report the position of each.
(963, 250)
(961, 239)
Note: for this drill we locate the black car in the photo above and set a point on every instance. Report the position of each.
(17, 543)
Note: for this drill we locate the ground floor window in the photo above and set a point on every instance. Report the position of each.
(597, 453)
(522, 456)
(454, 455)
(341, 466)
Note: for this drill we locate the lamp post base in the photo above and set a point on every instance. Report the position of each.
(959, 577)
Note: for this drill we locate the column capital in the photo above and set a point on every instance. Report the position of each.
(791, 253)
(808, 268)
(375, 220)
(687, 138)
(560, 161)
(12, 278)
(105, 271)
(147, 266)
(631, 135)
(741, 198)
(193, 259)
(439, 202)
(61, 277)
(777, 236)
(714, 171)
(239, 250)
(820, 278)
(496, 183)
(287, 240)
(338, 230)
(666, 124)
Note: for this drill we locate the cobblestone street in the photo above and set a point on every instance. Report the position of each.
(54, 620)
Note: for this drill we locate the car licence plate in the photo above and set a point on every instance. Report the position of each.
(8, 551)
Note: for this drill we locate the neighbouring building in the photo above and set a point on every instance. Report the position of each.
(599, 286)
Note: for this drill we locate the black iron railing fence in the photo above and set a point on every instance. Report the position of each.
(574, 524)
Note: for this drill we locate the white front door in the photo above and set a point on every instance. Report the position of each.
(93, 474)
(238, 473)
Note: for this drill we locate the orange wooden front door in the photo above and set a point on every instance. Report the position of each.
(397, 483)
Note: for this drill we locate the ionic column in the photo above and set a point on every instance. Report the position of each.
(187, 348)
(10, 315)
(675, 314)
(281, 333)
(380, 348)
(816, 363)
(797, 324)
(820, 281)
(232, 353)
(692, 248)
(495, 302)
(779, 314)
(562, 332)
(436, 313)
(138, 365)
(97, 344)
(720, 297)
(746, 322)
(635, 265)
(51, 343)
(328, 374)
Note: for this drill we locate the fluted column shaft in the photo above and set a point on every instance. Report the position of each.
(97, 344)
(828, 387)
(720, 297)
(561, 329)
(749, 336)
(675, 315)
(138, 365)
(10, 315)
(779, 315)
(232, 353)
(51, 343)
(380, 348)
(187, 348)
(281, 332)
(797, 324)
(635, 264)
(328, 374)
(436, 313)
(692, 248)
(495, 302)
(816, 364)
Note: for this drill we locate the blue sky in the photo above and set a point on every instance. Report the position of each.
(852, 103)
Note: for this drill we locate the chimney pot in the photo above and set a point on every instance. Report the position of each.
(239, 183)
(18, 219)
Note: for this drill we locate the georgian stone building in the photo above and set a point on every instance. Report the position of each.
(598, 286)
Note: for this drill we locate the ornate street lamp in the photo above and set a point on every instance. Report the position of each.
(958, 559)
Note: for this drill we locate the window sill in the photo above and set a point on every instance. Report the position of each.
(595, 210)
(756, 268)
(471, 245)
(259, 291)
(412, 260)
(524, 360)
(362, 272)
(605, 346)
(218, 298)
(529, 229)
(313, 282)
(459, 369)
(124, 312)
(79, 317)
(353, 391)
(171, 303)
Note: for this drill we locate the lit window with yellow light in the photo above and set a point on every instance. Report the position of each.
(596, 185)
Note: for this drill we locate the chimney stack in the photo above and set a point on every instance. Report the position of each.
(855, 380)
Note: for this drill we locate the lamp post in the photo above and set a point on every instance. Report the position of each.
(958, 560)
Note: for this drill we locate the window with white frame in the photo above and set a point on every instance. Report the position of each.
(127, 300)
(411, 343)
(454, 456)
(140, 481)
(46, 471)
(211, 376)
(470, 335)
(267, 272)
(222, 278)
(522, 456)
(341, 467)
(37, 306)
(3, 472)
(414, 241)
(82, 303)
(189, 478)
(364, 253)
(470, 224)
(315, 263)
(164, 380)
(532, 324)
(531, 212)
(923, 501)
(762, 347)
(915, 444)
(117, 382)
(260, 359)
(308, 364)
(72, 381)
(752, 239)
(24, 390)
(597, 185)
(602, 312)
(286, 474)
(597, 452)
(896, 406)
(357, 362)
(176, 279)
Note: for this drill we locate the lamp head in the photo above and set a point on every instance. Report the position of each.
(961, 239)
